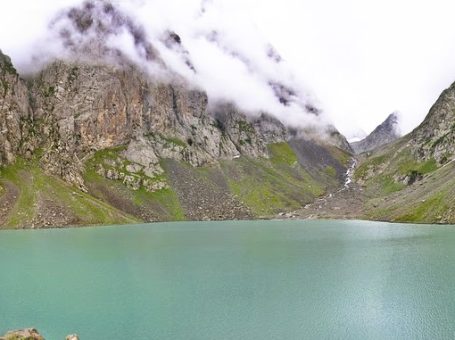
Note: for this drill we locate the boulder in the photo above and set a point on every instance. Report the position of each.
(23, 334)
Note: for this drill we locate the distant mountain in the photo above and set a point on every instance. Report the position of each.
(387, 132)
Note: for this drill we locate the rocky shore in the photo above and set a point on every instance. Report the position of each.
(30, 334)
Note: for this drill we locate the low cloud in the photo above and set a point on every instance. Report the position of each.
(211, 44)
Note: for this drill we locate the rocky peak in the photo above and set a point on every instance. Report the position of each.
(386, 132)
(86, 29)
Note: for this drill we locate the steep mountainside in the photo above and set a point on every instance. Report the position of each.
(385, 133)
(92, 142)
(413, 178)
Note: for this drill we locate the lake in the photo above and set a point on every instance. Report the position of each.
(231, 280)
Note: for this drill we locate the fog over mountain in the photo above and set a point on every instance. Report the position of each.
(203, 43)
(356, 61)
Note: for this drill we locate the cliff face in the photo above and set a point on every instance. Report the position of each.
(81, 121)
(14, 110)
(81, 108)
(435, 137)
(385, 133)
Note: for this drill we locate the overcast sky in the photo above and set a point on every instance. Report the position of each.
(361, 59)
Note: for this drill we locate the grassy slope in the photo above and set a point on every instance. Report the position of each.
(264, 186)
(35, 188)
(161, 205)
(430, 200)
(271, 186)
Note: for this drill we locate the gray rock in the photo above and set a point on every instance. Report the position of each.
(386, 132)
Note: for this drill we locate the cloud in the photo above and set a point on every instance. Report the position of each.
(212, 44)
(355, 60)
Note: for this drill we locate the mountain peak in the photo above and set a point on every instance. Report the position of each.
(387, 132)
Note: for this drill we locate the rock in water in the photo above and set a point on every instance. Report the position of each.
(23, 334)
(72, 337)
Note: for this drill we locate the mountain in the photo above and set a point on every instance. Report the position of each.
(103, 142)
(384, 133)
(413, 179)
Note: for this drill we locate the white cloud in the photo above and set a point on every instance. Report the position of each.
(361, 59)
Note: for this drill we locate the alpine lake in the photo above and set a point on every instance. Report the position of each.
(231, 280)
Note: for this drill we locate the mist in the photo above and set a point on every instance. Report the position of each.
(355, 62)
(209, 44)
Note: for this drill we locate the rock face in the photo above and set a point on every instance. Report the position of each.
(80, 108)
(110, 119)
(14, 109)
(23, 334)
(72, 109)
(435, 137)
(386, 132)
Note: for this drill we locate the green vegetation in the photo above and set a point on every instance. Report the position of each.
(48, 91)
(408, 165)
(39, 194)
(169, 141)
(175, 141)
(392, 193)
(384, 174)
(6, 65)
(245, 126)
(5, 86)
(271, 186)
(430, 209)
(162, 204)
(282, 153)
(330, 170)
(342, 156)
(370, 163)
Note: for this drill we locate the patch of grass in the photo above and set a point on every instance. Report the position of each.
(245, 126)
(368, 164)
(282, 153)
(340, 155)
(388, 185)
(330, 170)
(175, 141)
(34, 186)
(163, 203)
(409, 165)
(429, 210)
(166, 198)
(269, 187)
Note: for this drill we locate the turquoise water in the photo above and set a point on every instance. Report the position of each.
(231, 280)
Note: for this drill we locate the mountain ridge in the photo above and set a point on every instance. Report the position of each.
(140, 149)
(384, 133)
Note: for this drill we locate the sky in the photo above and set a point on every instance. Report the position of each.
(360, 60)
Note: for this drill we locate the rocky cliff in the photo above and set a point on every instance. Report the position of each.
(139, 148)
(14, 110)
(435, 137)
(412, 178)
(385, 133)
